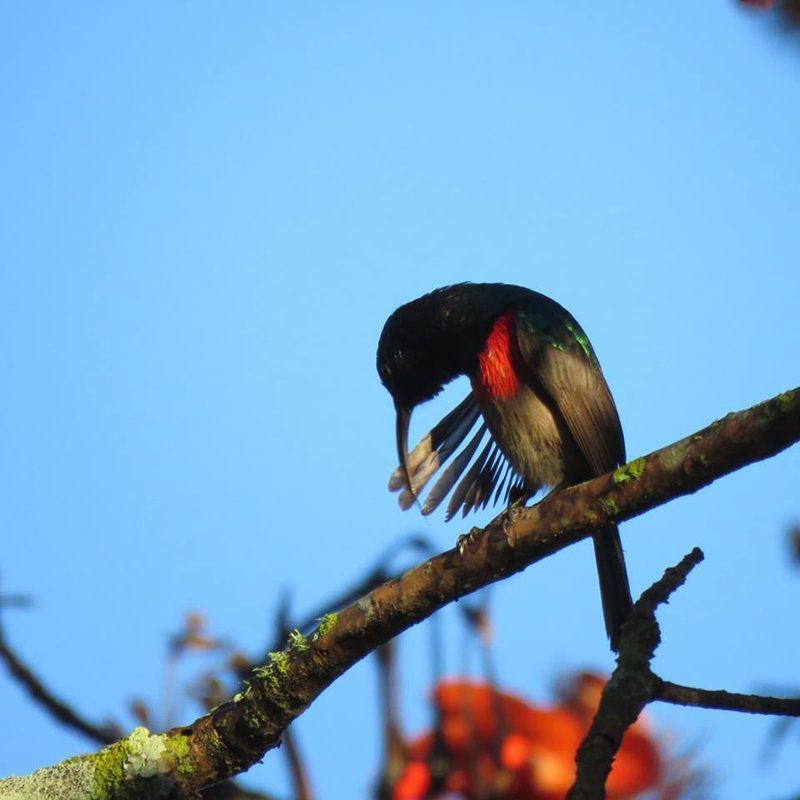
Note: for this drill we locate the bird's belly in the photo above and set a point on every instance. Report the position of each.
(533, 438)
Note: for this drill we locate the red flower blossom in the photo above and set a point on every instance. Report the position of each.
(493, 744)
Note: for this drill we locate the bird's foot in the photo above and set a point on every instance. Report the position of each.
(518, 497)
(507, 520)
(466, 540)
(555, 490)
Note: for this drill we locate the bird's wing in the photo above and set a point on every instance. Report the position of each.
(561, 360)
(489, 473)
(435, 448)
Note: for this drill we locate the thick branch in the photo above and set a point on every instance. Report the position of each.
(238, 733)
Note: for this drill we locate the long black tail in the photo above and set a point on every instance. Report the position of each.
(614, 589)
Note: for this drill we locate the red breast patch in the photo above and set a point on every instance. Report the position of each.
(500, 362)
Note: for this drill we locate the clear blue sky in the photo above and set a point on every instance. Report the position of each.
(207, 214)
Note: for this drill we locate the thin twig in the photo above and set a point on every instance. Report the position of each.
(727, 701)
(394, 748)
(102, 734)
(302, 785)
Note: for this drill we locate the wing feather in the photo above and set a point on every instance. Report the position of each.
(462, 490)
(574, 382)
(448, 478)
(473, 480)
(438, 445)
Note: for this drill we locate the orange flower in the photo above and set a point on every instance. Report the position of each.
(494, 744)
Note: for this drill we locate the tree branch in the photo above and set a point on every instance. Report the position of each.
(378, 574)
(237, 734)
(727, 701)
(630, 688)
(633, 685)
(58, 708)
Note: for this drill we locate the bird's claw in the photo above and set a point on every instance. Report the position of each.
(508, 518)
(466, 540)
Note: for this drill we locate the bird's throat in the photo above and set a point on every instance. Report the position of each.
(499, 363)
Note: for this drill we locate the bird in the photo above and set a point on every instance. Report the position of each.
(538, 396)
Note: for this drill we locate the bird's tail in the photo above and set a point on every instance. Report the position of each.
(614, 589)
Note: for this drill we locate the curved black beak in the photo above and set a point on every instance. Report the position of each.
(403, 422)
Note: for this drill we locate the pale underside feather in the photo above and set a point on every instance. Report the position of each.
(437, 445)
(489, 475)
(453, 472)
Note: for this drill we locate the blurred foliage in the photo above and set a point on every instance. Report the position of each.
(488, 743)
(786, 11)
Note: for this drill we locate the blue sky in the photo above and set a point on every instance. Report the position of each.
(206, 215)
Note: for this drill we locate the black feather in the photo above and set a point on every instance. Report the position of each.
(448, 478)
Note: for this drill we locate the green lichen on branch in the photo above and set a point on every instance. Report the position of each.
(277, 666)
(140, 767)
(609, 506)
(629, 472)
(272, 676)
(65, 781)
(297, 641)
(177, 753)
(788, 401)
(326, 624)
(143, 765)
(279, 660)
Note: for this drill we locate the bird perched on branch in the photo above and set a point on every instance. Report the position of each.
(538, 396)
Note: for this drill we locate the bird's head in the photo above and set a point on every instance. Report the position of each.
(424, 345)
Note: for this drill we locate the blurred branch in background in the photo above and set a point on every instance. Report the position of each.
(794, 544)
(783, 727)
(25, 676)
